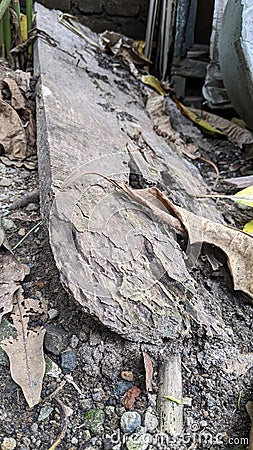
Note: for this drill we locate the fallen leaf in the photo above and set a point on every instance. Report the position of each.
(126, 49)
(11, 273)
(245, 197)
(198, 119)
(237, 245)
(12, 133)
(152, 81)
(156, 109)
(25, 351)
(148, 371)
(172, 399)
(240, 182)
(130, 397)
(140, 45)
(17, 99)
(249, 408)
(234, 132)
(248, 227)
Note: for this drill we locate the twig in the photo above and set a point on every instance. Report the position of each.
(55, 392)
(27, 234)
(31, 197)
(64, 419)
(74, 385)
(230, 197)
(215, 168)
(64, 20)
(170, 382)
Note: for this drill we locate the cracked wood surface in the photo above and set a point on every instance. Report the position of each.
(122, 265)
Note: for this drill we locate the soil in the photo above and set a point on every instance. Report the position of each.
(214, 416)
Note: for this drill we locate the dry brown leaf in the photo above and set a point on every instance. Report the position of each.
(25, 351)
(235, 133)
(156, 109)
(12, 133)
(18, 103)
(249, 408)
(11, 273)
(148, 371)
(17, 99)
(237, 245)
(130, 397)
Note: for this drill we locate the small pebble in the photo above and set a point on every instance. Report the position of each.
(150, 420)
(122, 386)
(68, 361)
(22, 232)
(52, 313)
(45, 413)
(74, 341)
(127, 375)
(34, 428)
(129, 421)
(187, 401)
(74, 441)
(203, 423)
(94, 419)
(8, 443)
(98, 395)
(5, 182)
(56, 339)
(8, 224)
(32, 207)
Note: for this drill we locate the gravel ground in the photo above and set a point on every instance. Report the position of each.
(86, 362)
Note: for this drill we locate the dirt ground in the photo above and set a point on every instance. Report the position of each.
(216, 386)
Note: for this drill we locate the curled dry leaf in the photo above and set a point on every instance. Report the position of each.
(125, 49)
(12, 133)
(25, 350)
(18, 103)
(237, 245)
(234, 132)
(17, 99)
(130, 397)
(156, 109)
(11, 273)
(198, 119)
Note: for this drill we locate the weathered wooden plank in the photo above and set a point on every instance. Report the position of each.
(110, 252)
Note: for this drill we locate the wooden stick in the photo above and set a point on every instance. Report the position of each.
(170, 385)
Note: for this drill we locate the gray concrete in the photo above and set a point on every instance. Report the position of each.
(117, 261)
